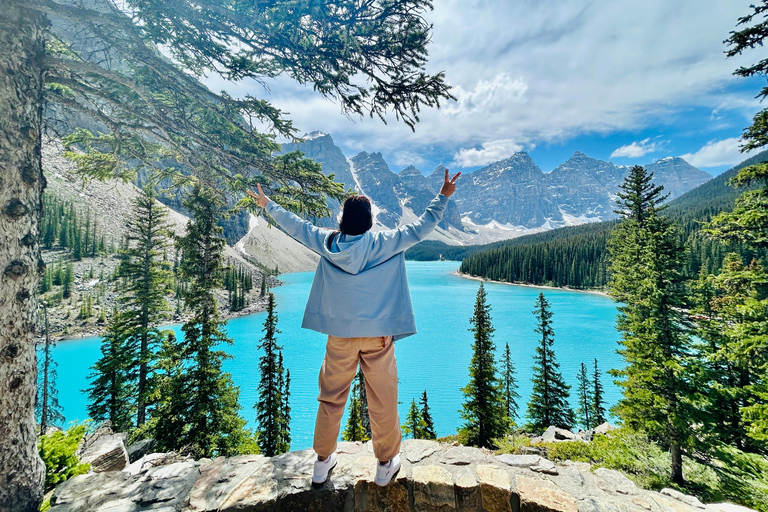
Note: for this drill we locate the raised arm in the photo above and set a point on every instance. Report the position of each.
(305, 232)
(391, 242)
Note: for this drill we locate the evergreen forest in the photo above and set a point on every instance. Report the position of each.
(576, 257)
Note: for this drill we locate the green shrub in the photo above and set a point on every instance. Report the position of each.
(58, 453)
(728, 474)
(512, 443)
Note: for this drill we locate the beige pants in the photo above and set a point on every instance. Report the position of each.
(377, 360)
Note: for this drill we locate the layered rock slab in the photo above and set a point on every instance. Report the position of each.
(434, 477)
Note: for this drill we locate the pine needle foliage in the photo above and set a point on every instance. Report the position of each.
(509, 381)
(112, 390)
(213, 425)
(584, 413)
(354, 429)
(414, 423)
(483, 409)
(272, 409)
(732, 320)
(428, 432)
(122, 380)
(48, 411)
(548, 405)
(149, 279)
(647, 261)
(598, 402)
(365, 418)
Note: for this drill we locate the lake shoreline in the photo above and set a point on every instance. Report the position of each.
(258, 305)
(563, 288)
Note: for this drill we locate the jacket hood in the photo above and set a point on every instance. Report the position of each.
(349, 253)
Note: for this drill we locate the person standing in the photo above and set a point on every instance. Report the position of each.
(360, 299)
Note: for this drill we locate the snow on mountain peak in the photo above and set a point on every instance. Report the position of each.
(314, 135)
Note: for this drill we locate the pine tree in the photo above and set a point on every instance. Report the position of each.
(169, 394)
(483, 408)
(509, 381)
(47, 408)
(143, 301)
(548, 404)
(213, 423)
(598, 404)
(269, 407)
(733, 324)
(414, 423)
(586, 400)
(283, 419)
(111, 394)
(365, 418)
(58, 275)
(739, 326)
(354, 431)
(68, 280)
(46, 283)
(285, 444)
(429, 424)
(263, 291)
(646, 276)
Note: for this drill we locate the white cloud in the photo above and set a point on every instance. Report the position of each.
(406, 157)
(490, 152)
(717, 154)
(636, 149)
(548, 71)
(488, 95)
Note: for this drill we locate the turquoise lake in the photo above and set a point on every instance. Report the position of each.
(435, 359)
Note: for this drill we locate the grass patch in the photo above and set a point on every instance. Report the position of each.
(728, 475)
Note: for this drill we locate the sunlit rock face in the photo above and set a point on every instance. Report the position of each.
(511, 197)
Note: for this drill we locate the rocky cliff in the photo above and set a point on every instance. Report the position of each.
(398, 198)
(434, 477)
(505, 199)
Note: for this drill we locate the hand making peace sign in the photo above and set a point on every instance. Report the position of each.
(261, 198)
(449, 186)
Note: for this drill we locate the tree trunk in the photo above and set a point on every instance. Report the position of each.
(21, 187)
(677, 463)
(46, 384)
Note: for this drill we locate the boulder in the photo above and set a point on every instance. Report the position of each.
(139, 449)
(107, 452)
(531, 450)
(615, 481)
(604, 428)
(415, 450)
(152, 460)
(554, 434)
(693, 501)
(543, 495)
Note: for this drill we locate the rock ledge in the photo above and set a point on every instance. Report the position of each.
(434, 477)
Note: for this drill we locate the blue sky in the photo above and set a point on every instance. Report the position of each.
(628, 81)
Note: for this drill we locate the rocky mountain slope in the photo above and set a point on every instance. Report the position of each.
(503, 200)
(109, 203)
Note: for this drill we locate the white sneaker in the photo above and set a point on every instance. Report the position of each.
(386, 472)
(322, 468)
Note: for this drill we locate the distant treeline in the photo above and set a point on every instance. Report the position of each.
(576, 257)
(65, 227)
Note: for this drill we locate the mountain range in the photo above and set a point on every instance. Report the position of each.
(506, 199)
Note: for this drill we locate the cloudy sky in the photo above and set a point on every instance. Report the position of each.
(628, 81)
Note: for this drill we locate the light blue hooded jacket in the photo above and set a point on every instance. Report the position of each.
(360, 287)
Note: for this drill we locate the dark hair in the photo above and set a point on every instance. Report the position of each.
(356, 217)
